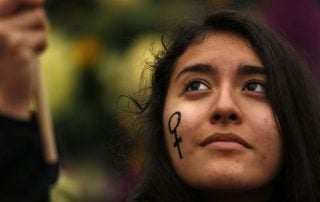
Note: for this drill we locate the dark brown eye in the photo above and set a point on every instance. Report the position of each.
(255, 86)
(196, 85)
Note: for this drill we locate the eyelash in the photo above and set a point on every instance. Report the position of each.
(256, 81)
(187, 85)
(202, 81)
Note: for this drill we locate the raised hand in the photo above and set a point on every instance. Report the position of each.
(22, 38)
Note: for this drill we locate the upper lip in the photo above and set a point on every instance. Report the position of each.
(225, 137)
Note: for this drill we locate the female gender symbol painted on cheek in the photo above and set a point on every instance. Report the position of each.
(173, 124)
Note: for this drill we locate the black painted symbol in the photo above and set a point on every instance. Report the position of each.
(173, 124)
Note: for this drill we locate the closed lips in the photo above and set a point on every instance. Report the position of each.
(225, 137)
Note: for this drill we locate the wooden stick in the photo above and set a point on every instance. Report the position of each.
(45, 121)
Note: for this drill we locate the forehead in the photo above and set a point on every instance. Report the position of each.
(220, 49)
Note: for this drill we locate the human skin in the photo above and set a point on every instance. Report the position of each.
(23, 37)
(219, 86)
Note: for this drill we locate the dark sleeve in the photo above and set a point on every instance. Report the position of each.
(24, 175)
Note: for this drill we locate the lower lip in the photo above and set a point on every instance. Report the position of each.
(226, 146)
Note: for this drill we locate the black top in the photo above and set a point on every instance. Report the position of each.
(24, 175)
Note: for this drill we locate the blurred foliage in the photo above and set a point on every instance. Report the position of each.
(60, 75)
(98, 49)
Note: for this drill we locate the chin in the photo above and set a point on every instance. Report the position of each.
(229, 181)
(225, 185)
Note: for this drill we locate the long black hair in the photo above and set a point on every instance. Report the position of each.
(292, 94)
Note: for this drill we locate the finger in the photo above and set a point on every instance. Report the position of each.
(8, 7)
(15, 42)
(29, 19)
(36, 40)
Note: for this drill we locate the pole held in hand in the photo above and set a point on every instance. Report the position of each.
(44, 118)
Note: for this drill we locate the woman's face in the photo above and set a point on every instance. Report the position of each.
(219, 127)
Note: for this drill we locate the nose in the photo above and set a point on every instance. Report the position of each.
(226, 109)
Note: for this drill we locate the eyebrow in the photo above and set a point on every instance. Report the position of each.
(252, 69)
(208, 69)
(199, 68)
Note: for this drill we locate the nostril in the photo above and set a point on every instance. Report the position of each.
(217, 117)
(232, 117)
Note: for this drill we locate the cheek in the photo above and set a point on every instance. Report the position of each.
(265, 135)
(191, 118)
(190, 121)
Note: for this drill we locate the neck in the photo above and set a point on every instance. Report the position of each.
(233, 196)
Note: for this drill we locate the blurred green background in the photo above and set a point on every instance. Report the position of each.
(97, 52)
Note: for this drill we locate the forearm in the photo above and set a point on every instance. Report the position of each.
(14, 101)
(18, 112)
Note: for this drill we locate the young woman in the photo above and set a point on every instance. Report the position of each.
(232, 116)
